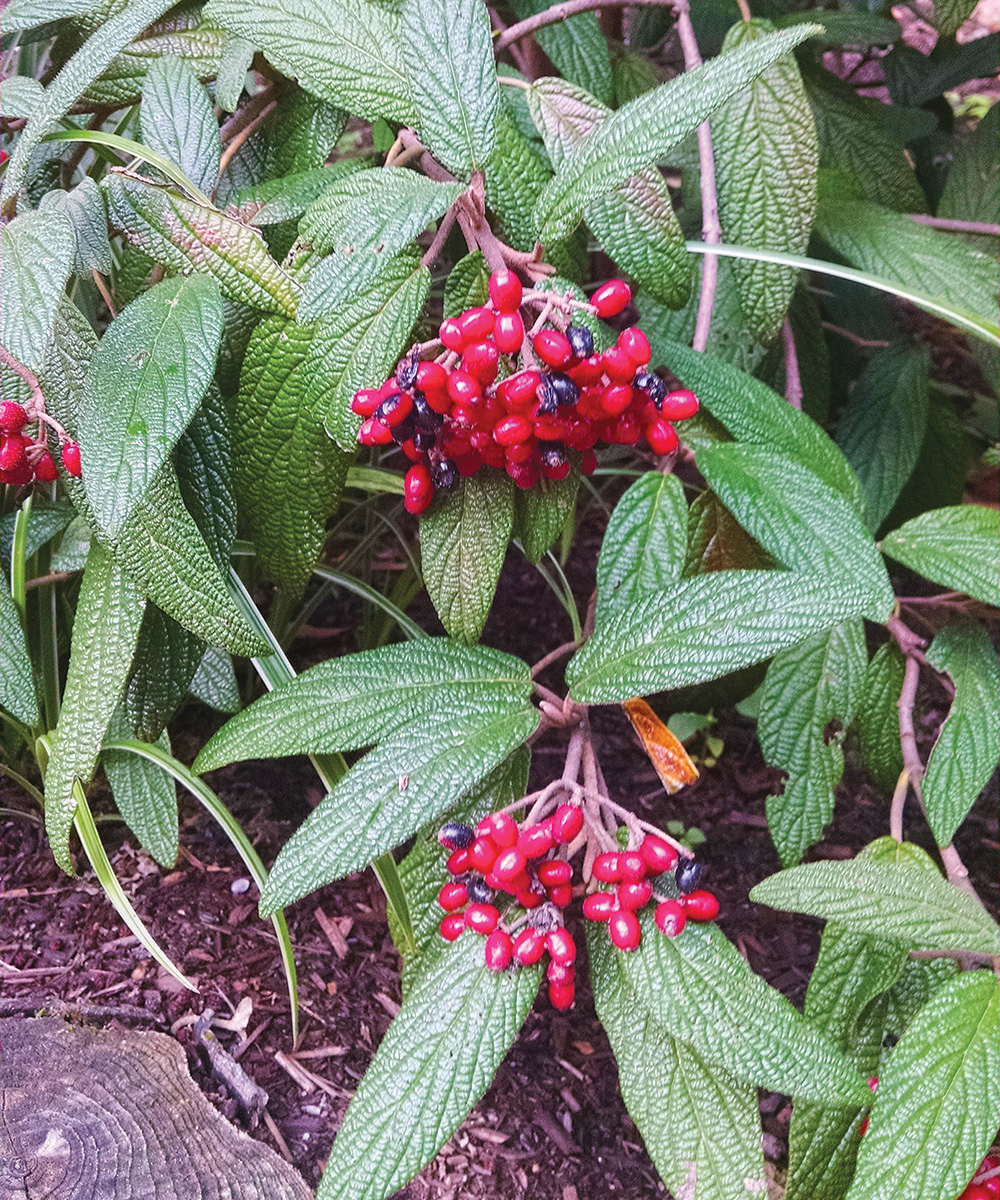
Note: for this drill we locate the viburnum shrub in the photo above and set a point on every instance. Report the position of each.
(280, 276)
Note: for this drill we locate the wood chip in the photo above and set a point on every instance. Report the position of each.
(568, 1066)
(570, 1100)
(299, 1074)
(390, 1005)
(334, 933)
(321, 1052)
(585, 1048)
(488, 1135)
(569, 1193)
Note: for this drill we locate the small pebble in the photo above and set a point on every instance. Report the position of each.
(239, 886)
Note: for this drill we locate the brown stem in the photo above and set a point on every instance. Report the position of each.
(553, 656)
(247, 114)
(29, 377)
(957, 226)
(793, 380)
(559, 12)
(238, 139)
(102, 287)
(437, 245)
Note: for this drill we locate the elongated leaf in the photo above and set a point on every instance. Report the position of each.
(84, 67)
(541, 513)
(301, 133)
(878, 716)
(347, 52)
(515, 178)
(437, 1059)
(167, 656)
(144, 795)
(17, 686)
(144, 383)
(26, 14)
(463, 541)
(647, 128)
(949, 15)
(884, 899)
(176, 119)
(938, 1102)
(37, 250)
(214, 682)
(185, 236)
(699, 1123)
(203, 458)
(467, 285)
(806, 689)
(716, 541)
(972, 189)
(968, 746)
(767, 158)
(577, 48)
(956, 547)
(84, 206)
(288, 196)
(105, 632)
(364, 220)
(447, 49)
(237, 55)
(644, 545)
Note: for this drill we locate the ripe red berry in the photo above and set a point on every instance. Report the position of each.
(529, 946)
(371, 433)
(45, 469)
(634, 895)
(452, 335)
(418, 489)
(501, 827)
(658, 855)
(701, 905)
(508, 332)
(661, 436)
(567, 821)
(561, 996)
(611, 298)
(560, 972)
(451, 927)
(618, 365)
(561, 947)
(12, 451)
(555, 872)
(529, 898)
(976, 1191)
(482, 918)
(483, 854)
(679, 405)
(21, 475)
(481, 360)
(587, 372)
(561, 895)
(606, 867)
(509, 866)
(536, 841)
(624, 930)
(518, 392)
(670, 918)
(511, 430)
(499, 951)
(616, 398)
(366, 401)
(463, 388)
(588, 464)
(636, 345)
(13, 417)
(521, 452)
(476, 324)
(599, 906)
(431, 377)
(453, 896)
(632, 866)
(505, 291)
(458, 861)
(553, 348)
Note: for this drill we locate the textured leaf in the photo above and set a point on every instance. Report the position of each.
(176, 118)
(878, 716)
(302, 133)
(541, 513)
(288, 473)
(145, 795)
(364, 221)
(48, 520)
(915, 78)
(644, 544)
(203, 458)
(166, 658)
(938, 1102)
(347, 52)
(632, 74)
(717, 542)
(938, 479)
(463, 542)
(186, 236)
(214, 682)
(882, 426)
(949, 15)
(84, 206)
(288, 196)
(144, 383)
(26, 14)
(955, 547)
(647, 128)
(767, 159)
(447, 50)
(237, 55)
(84, 67)
(695, 1119)
(806, 689)
(972, 189)
(515, 177)
(467, 285)
(849, 28)
(435, 1062)
(17, 686)
(577, 48)
(886, 900)
(105, 631)
(635, 223)
(37, 250)
(966, 752)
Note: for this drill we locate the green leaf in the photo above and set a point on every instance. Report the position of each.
(806, 690)
(767, 159)
(938, 1101)
(288, 196)
(144, 795)
(144, 383)
(885, 900)
(955, 547)
(635, 223)
(882, 426)
(288, 473)
(105, 632)
(364, 220)
(463, 542)
(644, 545)
(515, 177)
(967, 749)
(949, 15)
(21, 15)
(577, 48)
(176, 118)
(17, 686)
(166, 659)
(301, 134)
(37, 250)
(878, 716)
(849, 28)
(347, 52)
(699, 1123)
(647, 128)
(237, 56)
(203, 458)
(717, 542)
(631, 74)
(972, 189)
(447, 49)
(215, 683)
(78, 73)
(752, 412)
(437, 1059)
(915, 78)
(84, 206)
(48, 520)
(700, 990)
(541, 513)
(467, 285)
(186, 236)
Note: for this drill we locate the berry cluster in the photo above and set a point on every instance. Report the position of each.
(988, 1175)
(24, 459)
(530, 864)
(498, 396)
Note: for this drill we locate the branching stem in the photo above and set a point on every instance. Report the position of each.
(559, 12)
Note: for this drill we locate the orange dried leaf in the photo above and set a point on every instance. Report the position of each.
(668, 756)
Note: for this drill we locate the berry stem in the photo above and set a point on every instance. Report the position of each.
(437, 245)
(29, 377)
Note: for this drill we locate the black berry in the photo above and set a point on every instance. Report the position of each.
(652, 385)
(566, 391)
(688, 874)
(581, 340)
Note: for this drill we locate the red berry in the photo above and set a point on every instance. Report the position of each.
(561, 996)
(451, 927)
(529, 946)
(560, 471)
(632, 866)
(508, 332)
(535, 841)
(588, 464)
(501, 827)
(635, 895)
(557, 972)
(553, 348)
(451, 334)
(587, 372)
(499, 950)
(679, 405)
(481, 361)
(21, 475)
(45, 469)
(606, 868)
(567, 823)
(371, 433)
(599, 906)
(482, 918)
(555, 872)
(561, 947)
(483, 854)
(13, 417)
(670, 918)
(418, 489)
(431, 377)
(701, 905)
(661, 436)
(505, 291)
(611, 298)
(509, 865)
(618, 365)
(658, 855)
(976, 1191)
(529, 898)
(624, 930)
(511, 430)
(636, 345)
(561, 895)
(518, 392)
(476, 324)
(463, 388)
(522, 452)
(12, 452)
(616, 398)
(366, 401)
(3, 157)
(453, 896)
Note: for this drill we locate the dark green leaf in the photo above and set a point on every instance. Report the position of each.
(955, 547)
(84, 206)
(576, 47)
(17, 686)
(972, 190)
(467, 284)
(632, 74)
(301, 134)
(717, 542)
(203, 458)
(237, 55)
(541, 512)
(847, 28)
(144, 795)
(878, 716)
(166, 658)
(515, 177)
(915, 78)
(288, 196)
(176, 118)
(48, 519)
(37, 250)
(949, 15)
(215, 683)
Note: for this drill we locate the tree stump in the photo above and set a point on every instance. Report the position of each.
(113, 1114)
